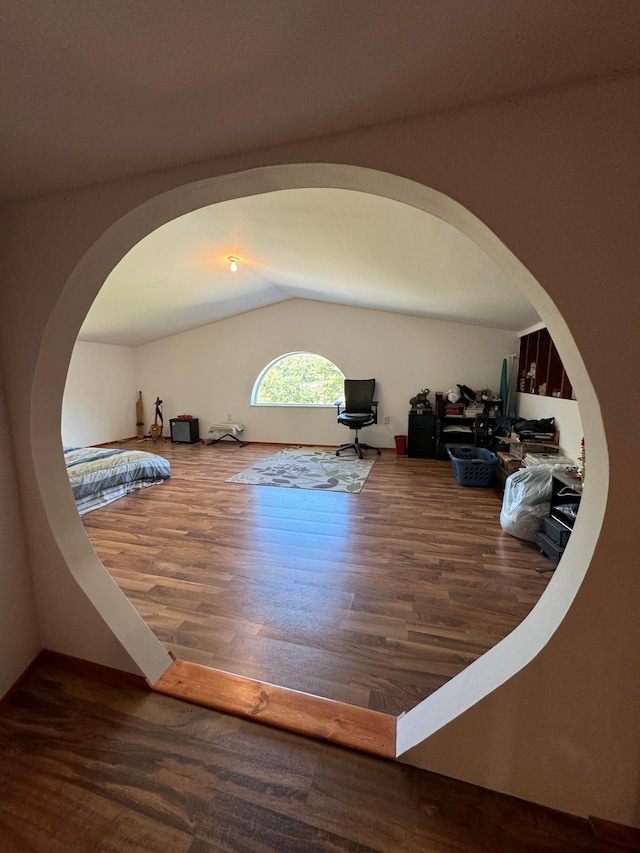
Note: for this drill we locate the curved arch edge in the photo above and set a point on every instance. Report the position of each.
(491, 672)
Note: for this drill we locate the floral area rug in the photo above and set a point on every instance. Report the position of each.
(307, 468)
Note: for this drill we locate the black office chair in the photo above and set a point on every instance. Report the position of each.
(358, 410)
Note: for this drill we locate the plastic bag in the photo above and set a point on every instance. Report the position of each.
(526, 501)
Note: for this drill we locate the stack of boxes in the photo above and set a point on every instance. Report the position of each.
(507, 465)
(516, 456)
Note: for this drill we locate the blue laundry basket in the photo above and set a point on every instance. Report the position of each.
(473, 466)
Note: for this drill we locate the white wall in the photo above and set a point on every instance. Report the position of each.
(567, 418)
(565, 730)
(19, 632)
(209, 372)
(100, 395)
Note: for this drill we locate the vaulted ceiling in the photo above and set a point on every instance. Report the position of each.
(92, 91)
(331, 245)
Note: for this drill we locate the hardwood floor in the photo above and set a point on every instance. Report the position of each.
(93, 762)
(373, 599)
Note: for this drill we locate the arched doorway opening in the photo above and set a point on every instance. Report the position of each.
(507, 658)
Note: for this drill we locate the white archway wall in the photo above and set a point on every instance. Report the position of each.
(22, 636)
(553, 176)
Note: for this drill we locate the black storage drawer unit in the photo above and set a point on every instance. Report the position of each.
(565, 499)
(185, 432)
(555, 531)
(548, 547)
(421, 441)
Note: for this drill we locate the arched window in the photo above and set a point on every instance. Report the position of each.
(299, 379)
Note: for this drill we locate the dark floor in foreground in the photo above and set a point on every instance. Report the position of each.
(92, 761)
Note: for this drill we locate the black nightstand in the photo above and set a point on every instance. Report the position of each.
(421, 441)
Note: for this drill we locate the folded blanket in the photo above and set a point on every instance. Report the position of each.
(232, 429)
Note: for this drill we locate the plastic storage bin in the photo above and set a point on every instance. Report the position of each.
(473, 466)
(401, 444)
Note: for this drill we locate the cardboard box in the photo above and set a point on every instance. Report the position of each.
(519, 449)
(509, 463)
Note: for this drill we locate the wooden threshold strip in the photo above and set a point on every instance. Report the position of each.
(323, 719)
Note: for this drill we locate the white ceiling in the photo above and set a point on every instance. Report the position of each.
(94, 90)
(325, 244)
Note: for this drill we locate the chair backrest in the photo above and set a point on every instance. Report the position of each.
(358, 394)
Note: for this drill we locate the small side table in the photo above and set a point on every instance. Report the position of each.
(184, 431)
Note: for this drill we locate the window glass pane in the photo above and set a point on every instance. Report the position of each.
(302, 378)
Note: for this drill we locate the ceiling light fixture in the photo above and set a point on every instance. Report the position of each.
(233, 263)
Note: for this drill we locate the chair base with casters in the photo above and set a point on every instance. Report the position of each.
(358, 447)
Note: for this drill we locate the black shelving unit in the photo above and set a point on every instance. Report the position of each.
(473, 428)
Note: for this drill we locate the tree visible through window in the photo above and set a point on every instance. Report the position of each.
(299, 379)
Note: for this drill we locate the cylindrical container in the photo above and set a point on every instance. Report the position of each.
(401, 444)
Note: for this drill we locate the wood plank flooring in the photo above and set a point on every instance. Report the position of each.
(92, 763)
(374, 599)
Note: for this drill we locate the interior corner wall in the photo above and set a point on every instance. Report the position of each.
(210, 372)
(555, 177)
(99, 403)
(565, 413)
